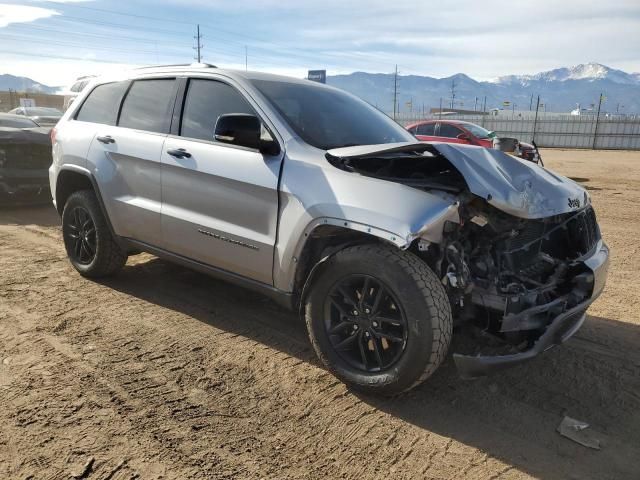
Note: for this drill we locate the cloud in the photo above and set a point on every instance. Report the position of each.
(440, 37)
(10, 13)
(436, 38)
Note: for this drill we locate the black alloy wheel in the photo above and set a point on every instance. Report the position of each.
(365, 323)
(81, 231)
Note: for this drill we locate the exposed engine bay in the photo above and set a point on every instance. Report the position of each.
(508, 275)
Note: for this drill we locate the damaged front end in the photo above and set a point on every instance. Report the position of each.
(527, 282)
(521, 261)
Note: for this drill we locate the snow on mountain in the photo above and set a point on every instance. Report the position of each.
(559, 89)
(584, 71)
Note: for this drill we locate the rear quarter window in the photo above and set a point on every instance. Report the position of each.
(148, 105)
(101, 106)
(426, 129)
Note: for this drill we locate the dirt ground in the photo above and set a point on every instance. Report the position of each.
(162, 372)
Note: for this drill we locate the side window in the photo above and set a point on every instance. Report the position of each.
(206, 101)
(101, 106)
(148, 105)
(449, 131)
(426, 129)
(413, 130)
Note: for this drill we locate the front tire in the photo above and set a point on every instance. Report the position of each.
(379, 318)
(90, 245)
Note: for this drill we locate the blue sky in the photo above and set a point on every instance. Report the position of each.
(56, 41)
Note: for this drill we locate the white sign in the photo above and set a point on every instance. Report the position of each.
(27, 102)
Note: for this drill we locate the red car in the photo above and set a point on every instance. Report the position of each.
(458, 131)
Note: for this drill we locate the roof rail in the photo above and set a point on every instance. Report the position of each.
(201, 65)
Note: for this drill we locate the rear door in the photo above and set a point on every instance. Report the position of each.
(99, 110)
(125, 159)
(219, 201)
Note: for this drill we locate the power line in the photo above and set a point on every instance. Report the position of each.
(104, 10)
(305, 55)
(60, 57)
(87, 34)
(278, 59)
(277, 51)
(77, 45)
(69, 18)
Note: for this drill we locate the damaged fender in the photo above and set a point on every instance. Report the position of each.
(391, 211)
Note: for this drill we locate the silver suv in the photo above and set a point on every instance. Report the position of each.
(310, 195)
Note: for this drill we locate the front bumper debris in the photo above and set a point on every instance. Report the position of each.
(559, 330)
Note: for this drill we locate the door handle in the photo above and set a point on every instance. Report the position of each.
(179, 153)
(106, 139)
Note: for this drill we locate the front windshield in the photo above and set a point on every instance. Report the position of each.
(326, 118)
(52, 112)
(478, 131)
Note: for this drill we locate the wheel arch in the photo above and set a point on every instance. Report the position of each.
(321, 242)
(71, 179)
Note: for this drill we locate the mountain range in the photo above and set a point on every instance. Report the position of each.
(24, 84)
(559, 89)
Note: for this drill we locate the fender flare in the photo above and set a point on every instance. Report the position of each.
(357, 227)
(96, 189)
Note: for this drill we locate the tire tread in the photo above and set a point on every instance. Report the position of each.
(111, 258)
(430, 288)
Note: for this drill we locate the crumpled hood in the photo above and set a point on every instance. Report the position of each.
(517, 187)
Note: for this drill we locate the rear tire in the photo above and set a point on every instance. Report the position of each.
(90, 245)
(415, 312)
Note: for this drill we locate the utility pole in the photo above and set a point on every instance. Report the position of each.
(484, 109)
(395, 93)
(199, 45)
(440, 107)
(246, 58)
(535, 120)
(531, 102)
(595, 131)
(453, 92)
(475, 104)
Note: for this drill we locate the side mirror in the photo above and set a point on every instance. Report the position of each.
(463, 136)
(244, 130)
(238, 129)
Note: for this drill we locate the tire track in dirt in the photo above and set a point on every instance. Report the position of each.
(206, 393)
(194, 378)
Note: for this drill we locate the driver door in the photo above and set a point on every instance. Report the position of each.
(219, 201)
